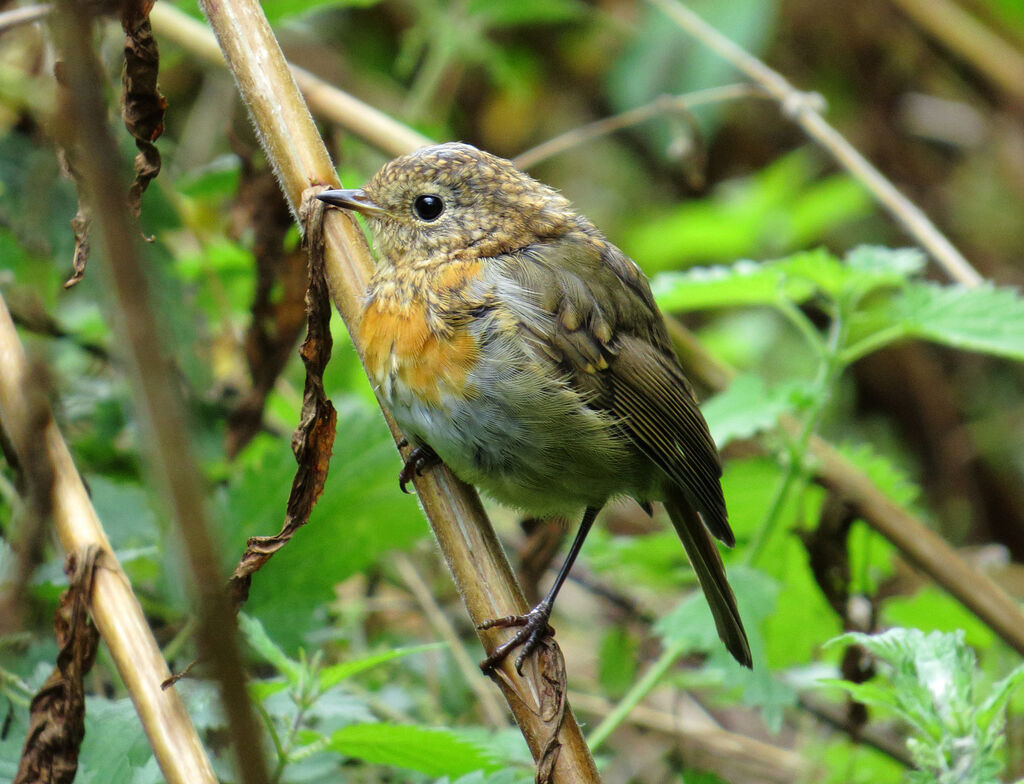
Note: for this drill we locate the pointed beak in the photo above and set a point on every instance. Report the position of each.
(352, 199)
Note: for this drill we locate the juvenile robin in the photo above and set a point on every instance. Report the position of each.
(513, 342)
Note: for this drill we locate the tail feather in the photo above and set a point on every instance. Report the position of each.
(707, 563)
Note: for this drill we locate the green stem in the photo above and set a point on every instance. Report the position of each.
(640, 689)
(829, 370)
(803, 325)
(872, 342)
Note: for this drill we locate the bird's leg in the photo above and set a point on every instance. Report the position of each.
(419, 460)
(534, 625)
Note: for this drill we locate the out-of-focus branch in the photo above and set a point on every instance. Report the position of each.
(971, 40)
(730, 754)
(326, 100)
(660, 106)
(160, 409)
(802, 108)
(114, 607)
(24, 15)
(490, 706)
(475, 557)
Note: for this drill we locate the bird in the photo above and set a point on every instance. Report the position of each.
(514, 343)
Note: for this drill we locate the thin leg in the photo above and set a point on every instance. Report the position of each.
(534, 625)
(420, 459)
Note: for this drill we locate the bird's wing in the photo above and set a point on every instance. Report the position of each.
(604, 330)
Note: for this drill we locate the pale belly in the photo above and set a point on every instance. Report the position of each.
(526, 440)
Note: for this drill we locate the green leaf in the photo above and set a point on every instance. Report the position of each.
(331, 676)
(749, 407)
(435, 752)
(361, 515)
(985, 319)
(991, 710)
(260, 641)
(743, 283)
(931, 609)
(282, 10)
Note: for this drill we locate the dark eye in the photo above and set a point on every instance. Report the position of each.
(428, 207)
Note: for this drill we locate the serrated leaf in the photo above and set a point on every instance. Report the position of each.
(330, 676)
(749, 407)
(991, 709)
(742, 283)
(985, 319)
(435, 752)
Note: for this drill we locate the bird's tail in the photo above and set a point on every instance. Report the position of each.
(707, 563)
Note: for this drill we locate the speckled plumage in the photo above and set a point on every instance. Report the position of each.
(513, 339)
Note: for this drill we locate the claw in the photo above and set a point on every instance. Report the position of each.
(534, 628)
(419, 460)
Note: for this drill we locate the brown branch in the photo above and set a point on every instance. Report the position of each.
(326, 100)
(477, 562)
(114, 607)
(802, 108)
(159, 405)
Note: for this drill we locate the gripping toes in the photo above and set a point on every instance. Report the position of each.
(420, 459)
(533, 629)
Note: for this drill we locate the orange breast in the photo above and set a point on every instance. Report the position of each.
(400, 347)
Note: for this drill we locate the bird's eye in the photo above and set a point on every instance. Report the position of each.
(429, 207)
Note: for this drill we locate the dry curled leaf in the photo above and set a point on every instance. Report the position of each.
(57, 720)
(313, 439)
(142, 104)
(142, 109)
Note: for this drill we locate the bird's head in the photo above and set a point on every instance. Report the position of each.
(452, 198)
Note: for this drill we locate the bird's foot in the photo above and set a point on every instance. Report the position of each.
(533, 628)
(419, 460)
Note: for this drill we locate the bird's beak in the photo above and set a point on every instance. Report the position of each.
(352, 199)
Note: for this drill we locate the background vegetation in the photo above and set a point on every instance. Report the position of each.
(830, 332)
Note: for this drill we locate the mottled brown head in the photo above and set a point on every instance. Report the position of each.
(450, 199)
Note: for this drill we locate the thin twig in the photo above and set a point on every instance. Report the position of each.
(24, 15)
(662, 105)
(115, 609)
(802, 108)
(160, 408)
(998, 60)
(496, 716)
(478, 564)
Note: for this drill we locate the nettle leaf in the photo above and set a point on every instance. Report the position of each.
(749, 407)
(330, 676)
(985, 319)
(436, 752)
(742, 283)
(885, 265)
